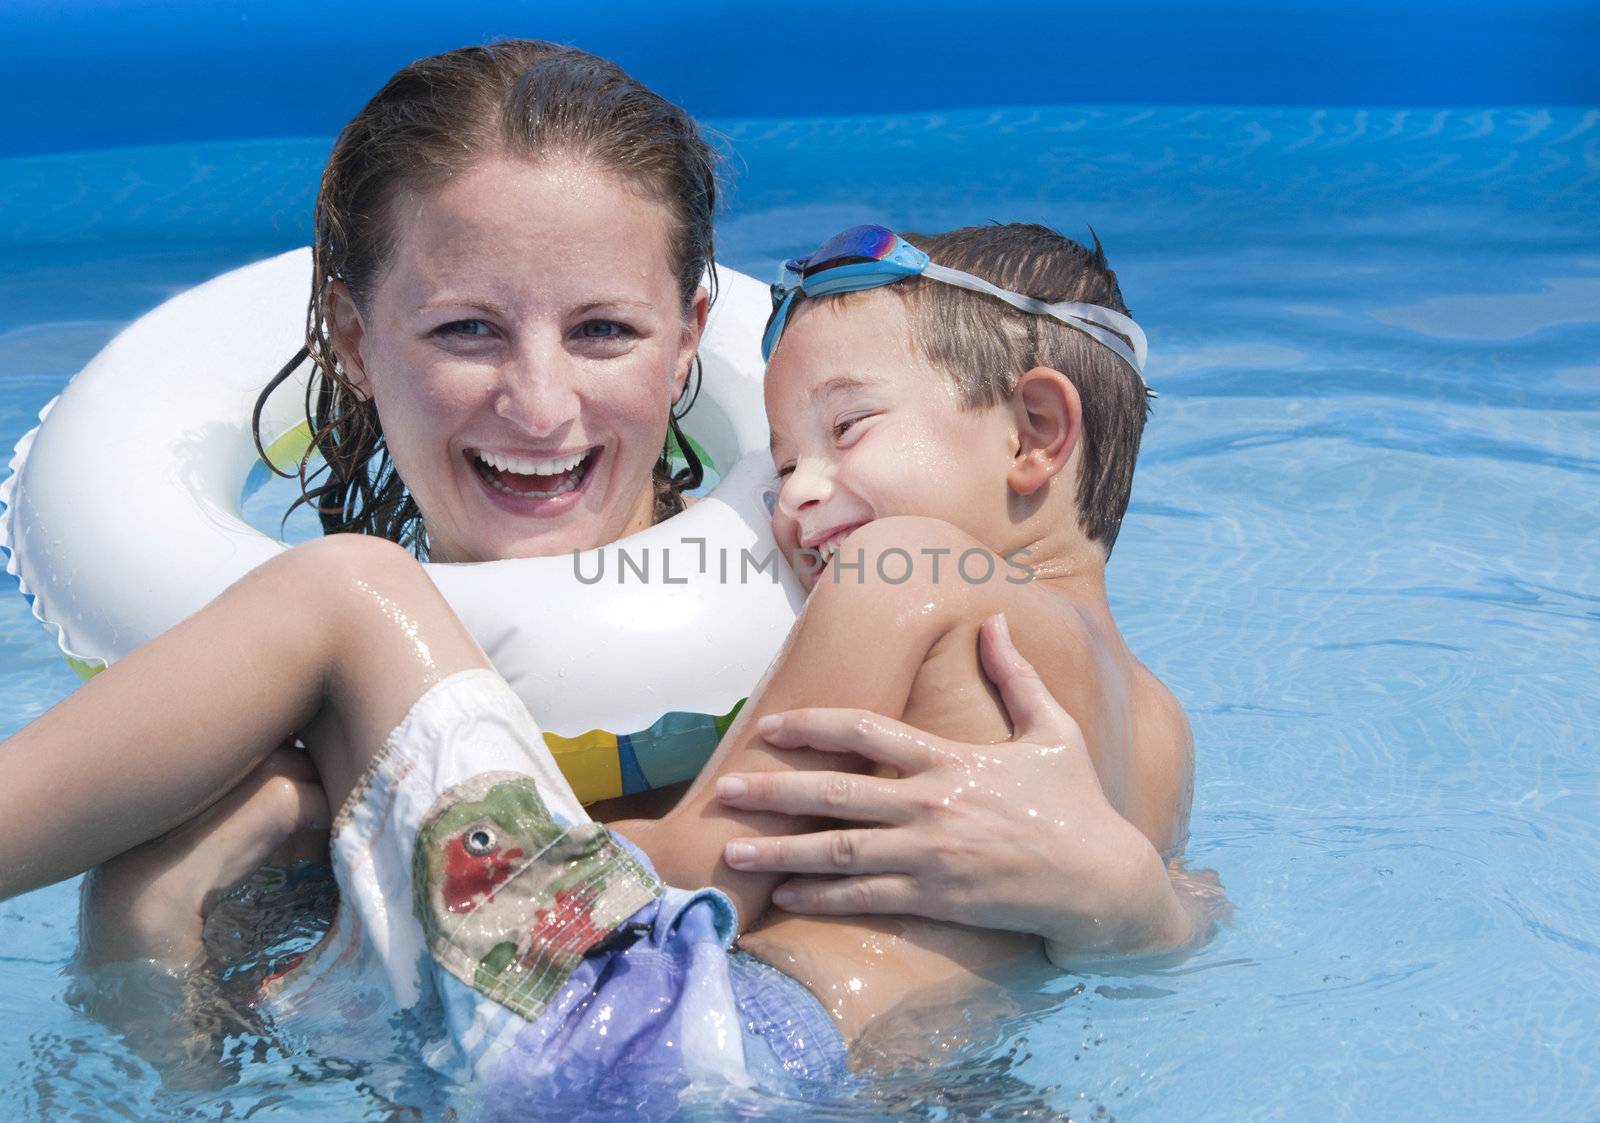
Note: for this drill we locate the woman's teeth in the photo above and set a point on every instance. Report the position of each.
(528, 478)
(524, 466)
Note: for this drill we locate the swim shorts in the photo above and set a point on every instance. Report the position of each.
(476, 894)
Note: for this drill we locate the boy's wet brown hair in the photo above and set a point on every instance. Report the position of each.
(431, 121)
(985, 345)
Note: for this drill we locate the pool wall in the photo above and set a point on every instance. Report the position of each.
(109, 73)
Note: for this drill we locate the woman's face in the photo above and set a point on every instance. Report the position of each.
(523, 348)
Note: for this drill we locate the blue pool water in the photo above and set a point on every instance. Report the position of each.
(1362, 549)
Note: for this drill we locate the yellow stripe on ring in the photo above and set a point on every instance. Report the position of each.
(590, 763)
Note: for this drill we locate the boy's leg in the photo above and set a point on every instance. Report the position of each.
(473, 883)
(340, 635)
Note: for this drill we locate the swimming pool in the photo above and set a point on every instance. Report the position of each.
(1362, 549)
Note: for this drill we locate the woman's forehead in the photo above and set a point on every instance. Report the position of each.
(518, 225)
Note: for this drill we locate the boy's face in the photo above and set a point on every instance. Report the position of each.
(863, 428)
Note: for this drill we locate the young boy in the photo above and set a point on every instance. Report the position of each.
(944, 458)
(949, 448)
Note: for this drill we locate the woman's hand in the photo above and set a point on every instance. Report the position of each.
(1016, 836)
(151, 902)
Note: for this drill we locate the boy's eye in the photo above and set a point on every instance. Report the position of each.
(785, 471)
(845, 424)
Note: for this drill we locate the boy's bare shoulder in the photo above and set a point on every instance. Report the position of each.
(876, 613)
(910, 565)
(910, 562)
(927, 576)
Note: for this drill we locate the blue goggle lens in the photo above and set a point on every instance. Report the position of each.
(861, 257)
(859, 243)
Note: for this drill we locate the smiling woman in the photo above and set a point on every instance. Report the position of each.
(524, 347)
(509, 288)
(511, 246)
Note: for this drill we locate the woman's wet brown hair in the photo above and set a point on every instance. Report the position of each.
(434, 119)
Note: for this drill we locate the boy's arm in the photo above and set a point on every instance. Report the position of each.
(860, 642)
(1020, 833)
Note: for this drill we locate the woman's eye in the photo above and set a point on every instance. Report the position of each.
(603, 329)
(470, 328)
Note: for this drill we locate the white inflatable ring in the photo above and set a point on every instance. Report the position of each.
(123, 516)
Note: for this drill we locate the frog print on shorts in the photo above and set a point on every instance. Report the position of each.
(510, 897)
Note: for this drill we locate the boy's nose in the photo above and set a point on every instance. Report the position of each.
(805, 486)
(536, 393)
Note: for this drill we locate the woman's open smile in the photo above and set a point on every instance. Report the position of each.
(548, 485)
(524, 348)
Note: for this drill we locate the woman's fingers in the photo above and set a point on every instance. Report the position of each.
(850, 896)
(1035, 714)
(879, 739)
(827, 795)
(852, 851)
(299, 811)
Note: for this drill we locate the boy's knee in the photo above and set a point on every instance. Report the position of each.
(340, 579)
(342, 562)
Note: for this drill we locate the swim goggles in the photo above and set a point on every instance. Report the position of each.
(867, 257)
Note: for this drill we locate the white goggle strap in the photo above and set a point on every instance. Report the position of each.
(1092, 320)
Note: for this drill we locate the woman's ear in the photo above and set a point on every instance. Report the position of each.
(693, 329)
(348, 334)
(1048, 416)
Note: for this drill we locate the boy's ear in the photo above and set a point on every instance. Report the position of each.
(348, 334)
(693, 329)
(1049, 419)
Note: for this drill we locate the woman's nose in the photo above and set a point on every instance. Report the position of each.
(537, 392)
(808, 483)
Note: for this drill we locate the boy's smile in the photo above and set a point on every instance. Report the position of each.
(863, 427)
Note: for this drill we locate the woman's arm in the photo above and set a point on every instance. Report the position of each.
(142, 969)
(935, 844)
(150, 904)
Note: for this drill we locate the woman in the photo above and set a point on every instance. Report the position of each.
(505, 309)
